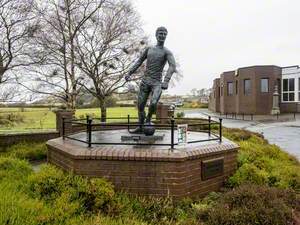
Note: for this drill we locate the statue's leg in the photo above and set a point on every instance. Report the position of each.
(141, 103)
(156, 93)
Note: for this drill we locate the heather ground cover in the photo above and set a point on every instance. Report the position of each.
(264, 190)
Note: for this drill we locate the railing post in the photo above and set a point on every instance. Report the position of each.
(128, 121)
(87, 122)
(209, 126)
(277, 115)
(63, 127)
(89, 128)
(172, 132)
(220, 130)
(294, 115)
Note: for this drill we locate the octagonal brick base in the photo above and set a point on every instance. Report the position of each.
(155, 171)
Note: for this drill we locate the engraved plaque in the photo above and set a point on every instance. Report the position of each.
(212, 168)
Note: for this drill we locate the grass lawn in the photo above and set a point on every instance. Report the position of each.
(36, 119)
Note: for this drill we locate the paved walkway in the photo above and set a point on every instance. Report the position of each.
(284, 132)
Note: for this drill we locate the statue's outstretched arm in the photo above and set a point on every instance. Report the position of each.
(139, 62)
(172, 67)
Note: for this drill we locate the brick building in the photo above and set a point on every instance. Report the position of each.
(249, 90)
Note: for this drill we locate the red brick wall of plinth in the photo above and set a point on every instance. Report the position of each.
(139, 173)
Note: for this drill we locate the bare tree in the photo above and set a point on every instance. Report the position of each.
(60, 23)
(16, 27)
(106, 46)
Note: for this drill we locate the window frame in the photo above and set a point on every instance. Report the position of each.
(228, 92)
(261, 86)
(288, 92)
(250, 88)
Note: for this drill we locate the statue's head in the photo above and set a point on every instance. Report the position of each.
(161, 34)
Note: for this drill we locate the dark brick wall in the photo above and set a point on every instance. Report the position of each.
(10, 139)
(264, 101)
(227, 102)
(214, 98)
(246, 103)
(289, 107)
(255, 103)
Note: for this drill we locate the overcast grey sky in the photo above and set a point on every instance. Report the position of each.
(212, 36)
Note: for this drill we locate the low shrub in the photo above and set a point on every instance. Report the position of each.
(107, 220)
(10, 119)
(262, 163)
(90, 115)
(17, 208)
(26, 150)
(252, 204)
(180, 114)
(243, 135)
(6, 123)
(94, 194)
(46, 184)
(154, 210)
(248, 173)
(11, 168)
(195, 105)
(55, 187)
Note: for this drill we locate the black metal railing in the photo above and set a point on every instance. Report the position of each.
(251, 117)
(90, 126)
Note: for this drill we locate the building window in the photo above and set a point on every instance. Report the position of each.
(288, 90)
(236, 87)
(247, 87)
(264, 85)
(229, 88)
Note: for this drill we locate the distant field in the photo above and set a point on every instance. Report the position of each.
(36, 119)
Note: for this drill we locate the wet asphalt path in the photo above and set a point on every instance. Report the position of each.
(284, 134)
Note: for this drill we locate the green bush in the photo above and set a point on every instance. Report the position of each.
(90, 115)
(180, 114)
(251, 204)
(243, 135)
(18, 209)
(64, 210)
(10, 119)
(262, 163)
(249, 173)
(155, 210)
(195, 105)
(11, 168)
(95, 194)
(46, 184)
(26, 150)
(52, 184)
(107, 220)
